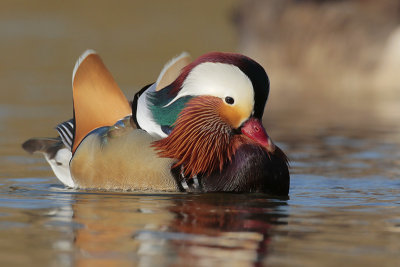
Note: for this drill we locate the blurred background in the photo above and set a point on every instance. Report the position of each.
(334, 62)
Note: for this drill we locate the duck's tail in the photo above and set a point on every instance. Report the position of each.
(57, 151)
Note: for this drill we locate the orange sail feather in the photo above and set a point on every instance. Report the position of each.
(98, 101)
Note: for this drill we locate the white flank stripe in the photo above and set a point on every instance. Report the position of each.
(67, 131)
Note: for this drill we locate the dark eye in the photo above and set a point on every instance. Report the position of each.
(229, 100)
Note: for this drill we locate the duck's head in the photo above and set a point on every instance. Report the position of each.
(212, 110)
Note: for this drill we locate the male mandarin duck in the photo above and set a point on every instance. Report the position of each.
(197, 128)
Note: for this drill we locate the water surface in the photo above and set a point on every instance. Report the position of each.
(343, 208)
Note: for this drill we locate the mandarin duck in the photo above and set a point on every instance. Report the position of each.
(197, 128)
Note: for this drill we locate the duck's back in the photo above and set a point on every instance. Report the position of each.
(121, 159)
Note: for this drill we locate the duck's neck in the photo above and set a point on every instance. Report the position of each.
(200, 140)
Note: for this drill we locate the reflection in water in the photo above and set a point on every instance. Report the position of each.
(181, 229)
(109, 221)
(214, 229)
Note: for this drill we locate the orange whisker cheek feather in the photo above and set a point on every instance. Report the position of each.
(200, 139)
(233, 115)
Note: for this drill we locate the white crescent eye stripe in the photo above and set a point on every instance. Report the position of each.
(220, 80)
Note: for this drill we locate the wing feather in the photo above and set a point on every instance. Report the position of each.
(172, 70)
(98, 101)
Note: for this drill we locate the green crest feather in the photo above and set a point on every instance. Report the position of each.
(165, 114)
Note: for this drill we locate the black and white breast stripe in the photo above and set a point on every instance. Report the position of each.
(66, 132)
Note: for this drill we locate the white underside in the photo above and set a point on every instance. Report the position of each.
(60, 166)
